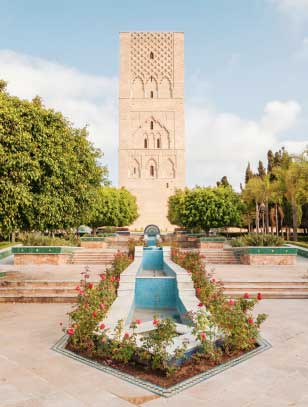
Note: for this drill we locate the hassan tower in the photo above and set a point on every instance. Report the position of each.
(151, 121)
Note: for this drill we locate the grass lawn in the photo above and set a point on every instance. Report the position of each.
(6, 244)
(301, 244)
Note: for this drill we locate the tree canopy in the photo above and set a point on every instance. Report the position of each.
(113, 207)
(49, 170)
(205, 208)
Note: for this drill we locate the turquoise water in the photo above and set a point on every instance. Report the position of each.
(152, 258)
(156, 286)
(151, 241)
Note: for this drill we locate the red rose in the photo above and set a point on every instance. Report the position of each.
(102, 306)
(138, 321)
(126, 336)
(103, 277)
(231, 301)
(70, 331)
(250, 321)
(94, 313)
(81, 292)
(246, 296)
(203, 336)
(259, 296)
(200, 304)
(213, 280)
(198, 291)
(112, 279)
(102, 326)
(77, 288)
(155, 321)
(90, 285)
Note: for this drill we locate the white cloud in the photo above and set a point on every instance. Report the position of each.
(83, 99)
(222, 143)
(295, 9)
(217, 143)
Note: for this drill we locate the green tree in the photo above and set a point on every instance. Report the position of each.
(270, 160)
(113, 207)
(248, 173)
(292, 181)
(48, 168)
(223, 182)
(205, 208)
(259, 191)
(261, 170)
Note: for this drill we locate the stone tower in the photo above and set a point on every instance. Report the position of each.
(151, 121)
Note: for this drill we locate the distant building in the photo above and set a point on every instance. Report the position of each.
(151, 121)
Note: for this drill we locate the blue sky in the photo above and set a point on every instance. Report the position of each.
(246, 65)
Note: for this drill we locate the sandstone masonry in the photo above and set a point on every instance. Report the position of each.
(151, 121)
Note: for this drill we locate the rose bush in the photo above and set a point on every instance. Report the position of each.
(234, 318)
(93, 303)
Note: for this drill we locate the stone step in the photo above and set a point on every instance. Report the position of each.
(266, 289)
(91, 261)
(93, 257)
(56, 298)
(37, 290)
(265, 284)
(271, 295)
(38, 283)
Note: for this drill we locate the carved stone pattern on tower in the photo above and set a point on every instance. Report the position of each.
(161, 65)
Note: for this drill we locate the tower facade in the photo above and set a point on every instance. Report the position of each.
(151, 121)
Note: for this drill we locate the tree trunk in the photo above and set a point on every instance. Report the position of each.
(257, 218)
(94, 230)
(13, 238)
(276, 219)
(294, 220)
(267, 217)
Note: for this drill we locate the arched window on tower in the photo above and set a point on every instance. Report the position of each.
(152, 94)
(151, 55)
(152, 171)
(158, 143)
(151, 125)
(145, 143)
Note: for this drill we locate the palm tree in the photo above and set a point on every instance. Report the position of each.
(259, 191)
(292, 182)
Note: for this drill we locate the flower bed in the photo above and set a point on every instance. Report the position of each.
(220, 330)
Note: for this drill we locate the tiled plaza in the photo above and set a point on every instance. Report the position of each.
(31, 374)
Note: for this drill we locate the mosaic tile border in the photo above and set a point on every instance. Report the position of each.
(60, 348)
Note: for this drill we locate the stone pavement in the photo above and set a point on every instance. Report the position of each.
(32, 375)
(46, 272)
(242, 272)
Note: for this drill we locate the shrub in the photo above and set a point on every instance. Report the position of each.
(257, 240)
(36, 239)
(233, 318)
(132, 243)
(93, 303)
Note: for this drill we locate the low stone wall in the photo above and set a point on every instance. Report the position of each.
(93, 244)
(268, 256)
(41, 258)
(42, 254)
(211, 245)
(264, 259)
